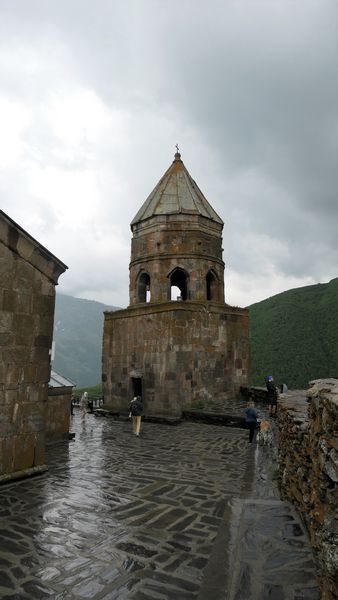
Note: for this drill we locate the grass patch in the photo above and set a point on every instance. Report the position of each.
(95, 390)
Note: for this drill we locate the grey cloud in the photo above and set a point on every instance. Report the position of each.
(249, 89)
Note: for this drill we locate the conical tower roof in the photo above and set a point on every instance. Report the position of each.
(176, 192)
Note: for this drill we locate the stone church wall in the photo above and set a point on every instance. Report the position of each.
(177, 344)
(183, 352)
(308, 457)
(28, 274)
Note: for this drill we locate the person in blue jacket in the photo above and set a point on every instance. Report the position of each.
(251, 416)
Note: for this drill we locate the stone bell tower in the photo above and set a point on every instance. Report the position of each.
(177, 344)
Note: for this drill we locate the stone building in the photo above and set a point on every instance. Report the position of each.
(29, 274)
(177, 344)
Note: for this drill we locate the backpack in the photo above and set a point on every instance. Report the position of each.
(136, 408)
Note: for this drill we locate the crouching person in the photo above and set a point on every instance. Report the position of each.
(136, 410)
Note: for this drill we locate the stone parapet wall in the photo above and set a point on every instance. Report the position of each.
(309, 468)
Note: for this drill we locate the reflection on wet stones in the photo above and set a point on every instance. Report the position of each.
(88, 589)
(48, 574)
(119, 518)
(36, 590)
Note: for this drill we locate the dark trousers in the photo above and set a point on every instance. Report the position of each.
(251, 427)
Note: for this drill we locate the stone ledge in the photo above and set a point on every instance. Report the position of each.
(14, 237)
(166, 419)
(146, 308)
(9, 477)
(188, 415)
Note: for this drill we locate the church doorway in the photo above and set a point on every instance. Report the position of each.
(137, 386)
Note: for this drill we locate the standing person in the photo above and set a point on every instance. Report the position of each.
(136, 410)
(272, 396)
(84, 405)
(251, 416)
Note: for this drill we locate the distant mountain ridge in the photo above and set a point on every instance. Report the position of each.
(78, 329)
(294, 336)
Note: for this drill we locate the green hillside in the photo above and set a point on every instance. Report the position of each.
(78, 328)
(294, 335)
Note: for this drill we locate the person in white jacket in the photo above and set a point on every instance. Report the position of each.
(84, 405)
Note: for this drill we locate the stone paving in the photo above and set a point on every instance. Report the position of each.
(183, 512)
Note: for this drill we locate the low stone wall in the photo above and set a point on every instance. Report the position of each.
(258, 394)
(57, 416)
(309, 468)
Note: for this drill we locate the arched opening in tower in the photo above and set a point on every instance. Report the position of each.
(178, 285)
(143, 288)
(212, 286)
(175, 293)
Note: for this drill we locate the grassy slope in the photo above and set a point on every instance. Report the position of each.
(294, 335)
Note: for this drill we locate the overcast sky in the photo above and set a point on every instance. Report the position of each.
(95, 95)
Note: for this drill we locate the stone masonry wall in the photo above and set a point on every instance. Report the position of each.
(162, 244)
(28, 275)
(308, 457)
(26, 325)
(57, 413)
(183, 352)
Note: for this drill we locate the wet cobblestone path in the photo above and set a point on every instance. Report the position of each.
(180, 513)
